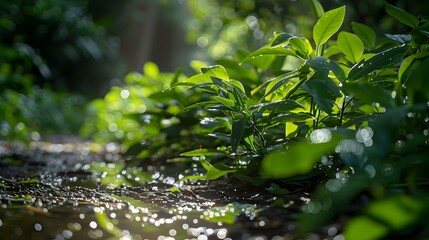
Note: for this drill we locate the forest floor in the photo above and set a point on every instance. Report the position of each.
(65, 187)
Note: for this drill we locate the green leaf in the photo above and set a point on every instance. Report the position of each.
(151, 69)
(302, 47)
(175, 189)
(225, 101)
(407, 62)
(351, 46)
(238, 71)
(292, 117)
(217, 170)
(418, 84)
(326, 65)
(278, 51)
(365, 33)
(213, 171)
(402, 16)
(108, 225)
(205, 77)
(197, 105)
(328, 24)
(337, 70)
(202, 152)
(281, 39)
(317, 8)
(237, 133)
(221, 136)
(298, 159)
(275, 79)
(324, 92)
(276, 189)
(280, 106)
(381, 217)
(369, 94)
(378, 61)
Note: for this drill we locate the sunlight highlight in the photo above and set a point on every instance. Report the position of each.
(320, 136)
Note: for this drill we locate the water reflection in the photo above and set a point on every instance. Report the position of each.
(102, 200)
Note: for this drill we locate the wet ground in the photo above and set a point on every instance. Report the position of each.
(68, 188)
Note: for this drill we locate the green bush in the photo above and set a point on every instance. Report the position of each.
(350, 113)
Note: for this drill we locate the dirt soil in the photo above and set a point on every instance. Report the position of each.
(50, 190)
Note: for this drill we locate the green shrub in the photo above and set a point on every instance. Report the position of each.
(350, 111)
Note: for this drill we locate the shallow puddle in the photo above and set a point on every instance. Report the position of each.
(76, 194)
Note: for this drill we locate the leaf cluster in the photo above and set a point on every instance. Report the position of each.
(347, 108)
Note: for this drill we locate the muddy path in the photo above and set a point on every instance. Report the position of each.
(68, 188)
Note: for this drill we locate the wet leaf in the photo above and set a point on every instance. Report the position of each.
(225, 214)
(378, 61)
(217, 170)
(281, 39)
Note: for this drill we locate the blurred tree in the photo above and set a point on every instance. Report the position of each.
(221, 27)
(56, 43)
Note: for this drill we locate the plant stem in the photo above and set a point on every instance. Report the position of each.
(342, 111)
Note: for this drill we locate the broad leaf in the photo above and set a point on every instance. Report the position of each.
(324, 92)
(324, 64)
(418, 84)
(278, 78)
(225, 101)
(402, 16)
(197, 105)
(201, 152)
(215, 171)
(280, 106)
(238, 71)
(351, 46)
(281, 39)
(365, 33)
(221, 136)
(237, 133)
(407, 62)
(381, 217)
(369, 94)
(301, 46)
(298, 159)
(278, 51)
(317, 8)
(204, 77)
(328, 24)
(291, 117)
(378, 61)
